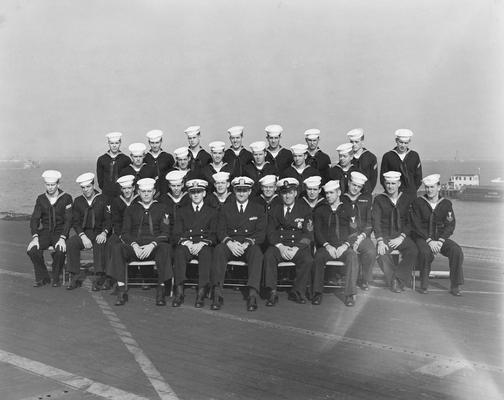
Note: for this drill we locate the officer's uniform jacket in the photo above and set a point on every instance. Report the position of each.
(91, 217)
(118, 207)
(368, 165)
(195, 226)
(145, 225)
(337, 173)
(300, 175)
(281, 161)
(56, 218)
(389, 220)
(358, 214)
(321, 162)
(410, 169)
(331, 227)
(249, 226)
(293, 230)
(108, 169)
(238, 161)
(432, 224)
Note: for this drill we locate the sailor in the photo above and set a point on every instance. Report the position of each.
(315, 156)
(145, 236)
(176, 197)
(363, 160)
(392, 229)
(109, 166)
(194, 234)
(217, 164)
(341, 171)
(183, 160)
(277, 155)
(199, 156)
(241, 230)
(221, 194)
(237, 156)
(405, 161)
(433, 222)
(289, 234)
(268, 196)
(138, 168)
(357, 211)
(312, 193)
(157, 158)
(92, 223)
(299, 170)
(259, 167)
(333, 241)
(50, 225)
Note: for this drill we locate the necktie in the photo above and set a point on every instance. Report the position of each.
(287, 213)
(197, 208)
(241, 208)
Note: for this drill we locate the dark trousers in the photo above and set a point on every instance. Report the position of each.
(403, 269)
(303, 261)
(253, 257)
(47, 239)
(123, 253)
(351, 260)
(367, 257)
(74, 247)
(112, 241)
(183, 256)
(449, 249)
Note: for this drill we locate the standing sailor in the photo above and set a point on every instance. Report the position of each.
(157, 158)
(315, 156)
(363, 160)
(299, 170)
(216, 165)
(199, 155)
(50, 225)
(237, 156)
(280, 157)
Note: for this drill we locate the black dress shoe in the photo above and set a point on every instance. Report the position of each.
(394, 287)
(179, 296)
(74, 283)
(107, 284)
(455, 291)
(122, 297)
(217, 303)
(42, 282)
(272, 300)
(296, 296)
(317, 299)
(160, 296)
(200, 298)
(251, 303)
(364, 286)
(422, 290)
(349, 301)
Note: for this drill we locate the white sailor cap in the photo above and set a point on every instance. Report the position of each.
(312, 133)
(196, 184)
(181, 152)
(355, 134)
(403, 134)
(174, 177)
(287, 184)
(392, 176)
(344, 148)
(430, 180)
(268, 180)
(331, 185)
(358, 178)
(114, 136)
(221, 176)
(154, 135)
(242, 182)
(193, 130)
(299, 149)
(126, 180)
(217, 146)
(313, 182)
(258, 146)
(235, 130)
(51, 176)
(146, 184)
(137, 149)
(273, 130)
(85, 179)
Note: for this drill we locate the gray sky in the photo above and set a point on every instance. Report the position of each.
(71, 71)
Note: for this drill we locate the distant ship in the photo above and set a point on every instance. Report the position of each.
(18, 164)
(466, 187)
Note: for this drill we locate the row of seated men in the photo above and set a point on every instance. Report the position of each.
(261, 230)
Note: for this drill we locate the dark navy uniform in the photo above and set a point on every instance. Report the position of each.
(50, 223)
(281, 160)
(300, 175)
(436, 224)
(321, 162)
(410, 169)
(238, 160)
(173, 205)
(267, 203)
(145, 171)
(199, 160)
(337, 173)
(218, 202)
(255, 174)
(209, 170)
(368, 165)
(162, 163)
(108, 169)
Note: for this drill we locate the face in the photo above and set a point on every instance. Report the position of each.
(259, 157)
(127, 191)
(183, 162)
(299, 159)
(312, 193)
(155, 145)
(52, 188)
(114, 145)
(354, 188)
(332, 196)
(176, 188)
(193, 140)
(432, 191)
(402, 145)
(88, 190)
(345, 158)
(288, 196)
(221, 187)
(197, 196)
(242, 194)
(357, 144)
(392, 187)
(268, 190)
(217, 156)
(273, 141)
(236, 141)
(312, 143)
(137, 160)
(146, 195)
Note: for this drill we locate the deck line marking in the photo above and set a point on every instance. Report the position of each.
(67, 378)
(162, 387)
(442, 368)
